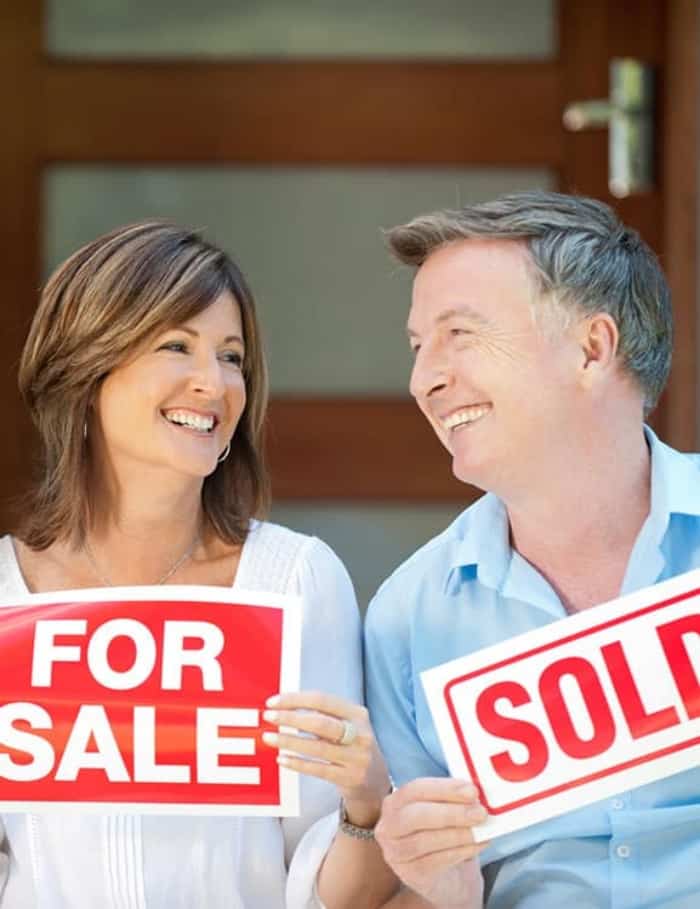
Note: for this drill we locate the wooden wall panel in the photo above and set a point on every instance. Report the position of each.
(370, 448)
(680, 226)
(20, 156)
(354, 113)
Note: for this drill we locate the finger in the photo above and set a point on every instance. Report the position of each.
(425, 843)
(436, 789)
(320, 701)
(418, 816)
(330, 772)
(325, 727)
(436, 862)
(314, 748)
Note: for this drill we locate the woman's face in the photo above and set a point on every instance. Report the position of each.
(176, 404)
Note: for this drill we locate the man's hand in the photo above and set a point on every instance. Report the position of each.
(425, 833)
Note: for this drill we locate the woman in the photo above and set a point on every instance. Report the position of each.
(144, 374)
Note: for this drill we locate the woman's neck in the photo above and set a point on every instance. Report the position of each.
(141, 529)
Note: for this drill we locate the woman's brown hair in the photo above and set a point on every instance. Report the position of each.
(99, 307)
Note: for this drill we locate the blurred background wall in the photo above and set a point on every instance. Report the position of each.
(291, 132)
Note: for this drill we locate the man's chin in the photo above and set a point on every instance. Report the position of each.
(468, 473)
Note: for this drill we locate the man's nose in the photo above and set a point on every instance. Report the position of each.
(430, 374)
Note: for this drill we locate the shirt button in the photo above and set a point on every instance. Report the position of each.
(623, 852)
(618, 804)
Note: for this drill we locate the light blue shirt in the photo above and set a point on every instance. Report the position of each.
(467, 589)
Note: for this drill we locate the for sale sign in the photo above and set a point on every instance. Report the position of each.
(145, 699)
(578, 710)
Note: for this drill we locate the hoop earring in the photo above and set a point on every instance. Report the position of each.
(224, 454)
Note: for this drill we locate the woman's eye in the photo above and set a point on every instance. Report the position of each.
(176, 346)
(232, 356)
(414, 349)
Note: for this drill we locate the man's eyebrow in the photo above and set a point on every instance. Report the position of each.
(463, 310)
(195, 334)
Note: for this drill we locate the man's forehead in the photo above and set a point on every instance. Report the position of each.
(456, 311)
(466, 279)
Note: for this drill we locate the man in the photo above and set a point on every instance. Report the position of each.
(541, 329)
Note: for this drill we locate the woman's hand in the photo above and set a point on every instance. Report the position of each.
(336, 744)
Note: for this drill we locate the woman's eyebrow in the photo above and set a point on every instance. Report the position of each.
(195, 334)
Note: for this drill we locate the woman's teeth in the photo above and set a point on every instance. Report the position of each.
(191, 420)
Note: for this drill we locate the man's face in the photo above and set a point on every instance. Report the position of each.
(497, 389)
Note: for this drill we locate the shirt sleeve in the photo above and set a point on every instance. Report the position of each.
(331, 661)
(391, 691)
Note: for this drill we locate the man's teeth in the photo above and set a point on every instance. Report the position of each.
(193, 420)
(468, 415)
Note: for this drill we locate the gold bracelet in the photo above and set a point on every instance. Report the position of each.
(360, 833)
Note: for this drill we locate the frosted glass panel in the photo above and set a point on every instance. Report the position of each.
(332, 302)
(371, 541)
(440, 29)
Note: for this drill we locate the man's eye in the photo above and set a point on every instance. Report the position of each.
(414, 349)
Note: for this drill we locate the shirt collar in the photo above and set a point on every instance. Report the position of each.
(483, 534)
(675, 479)
(483, 542)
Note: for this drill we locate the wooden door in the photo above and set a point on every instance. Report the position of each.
(351, 113)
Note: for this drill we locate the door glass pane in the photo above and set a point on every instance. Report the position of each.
(371, 540)
(332, 302)
(387, 29)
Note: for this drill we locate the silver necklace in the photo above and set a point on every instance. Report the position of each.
(168, 574)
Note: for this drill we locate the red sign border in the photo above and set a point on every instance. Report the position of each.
(563, 787)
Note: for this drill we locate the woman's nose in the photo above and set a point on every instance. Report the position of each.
(207, 376)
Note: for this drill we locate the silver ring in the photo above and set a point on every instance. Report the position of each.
(349, 733)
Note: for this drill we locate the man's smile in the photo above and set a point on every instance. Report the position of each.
(456, 419)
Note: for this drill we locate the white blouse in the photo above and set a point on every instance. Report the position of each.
(117, 861)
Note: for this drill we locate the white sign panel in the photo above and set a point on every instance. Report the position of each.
(576, 711)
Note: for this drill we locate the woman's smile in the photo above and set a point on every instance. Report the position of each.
(200, 423)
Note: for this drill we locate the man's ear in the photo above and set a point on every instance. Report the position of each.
(598, 339)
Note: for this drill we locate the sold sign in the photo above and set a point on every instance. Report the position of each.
(578, 710)
(145, 699)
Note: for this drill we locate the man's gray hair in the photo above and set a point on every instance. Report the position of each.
(583, 258)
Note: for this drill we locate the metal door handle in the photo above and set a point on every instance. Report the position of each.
(629, 114)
